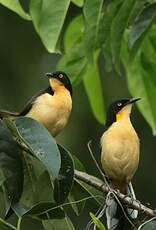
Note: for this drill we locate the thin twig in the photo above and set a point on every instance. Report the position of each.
(98, 184)
(96, 163)
(7, 224)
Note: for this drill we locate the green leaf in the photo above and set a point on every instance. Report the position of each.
(117, 30)
(92, 14)
(78, 2)
(96, 194)
(40, 142)
(48, 18)
(105, 29)
(74, 61)
(141, 27)
(78, 164)
(74, 33)
(11, 165)
(64, 181)
(92, 84)
(62, 223)
(16, 7)
(141, 78)
(36, 179)
(97, 222)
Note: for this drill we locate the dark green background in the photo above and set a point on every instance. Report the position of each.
(23, 63)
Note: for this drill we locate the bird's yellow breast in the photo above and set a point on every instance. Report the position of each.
(120, 151)
(52, 111)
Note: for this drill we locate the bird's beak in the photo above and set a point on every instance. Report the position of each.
(133, 100)
(49, 75)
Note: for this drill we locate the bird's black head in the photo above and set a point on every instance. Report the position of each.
(116, 110)
(63, 78)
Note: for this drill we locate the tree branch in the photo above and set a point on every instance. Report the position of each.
(99, 184)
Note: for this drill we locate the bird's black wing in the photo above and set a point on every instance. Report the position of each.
(29, 104)
(27, 107)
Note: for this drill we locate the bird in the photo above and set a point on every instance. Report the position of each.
(51, 106)
(120, 150)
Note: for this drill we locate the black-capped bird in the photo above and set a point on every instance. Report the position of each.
(119, 157)
(51, 106)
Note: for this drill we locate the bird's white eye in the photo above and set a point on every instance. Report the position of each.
(119, 104)
(60, 75)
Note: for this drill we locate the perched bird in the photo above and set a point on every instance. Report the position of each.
(51, 106)
(119, 156)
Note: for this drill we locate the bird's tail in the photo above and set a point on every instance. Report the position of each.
(4, 113)
(115, 215)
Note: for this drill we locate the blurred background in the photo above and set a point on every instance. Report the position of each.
(23, 64)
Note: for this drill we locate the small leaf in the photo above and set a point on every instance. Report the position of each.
(16, 7)
(56, 223)
(11, 165)
(117, 30)
(78, 2)
(141, 27)
(92, 84)
(97, 222)
(40, 142)
(92, 15)
(48, 18)
(64, 181)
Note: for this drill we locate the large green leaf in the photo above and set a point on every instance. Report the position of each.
(92, 14)
(58, 223)
(16, 7)
(117, 30)
(33, 201)
(74, 61)
(11, 165)
(141, 77)
(92, 84)
(39, 141)
(141, 27)
(74, 33)
(64, 181)
(48, 18)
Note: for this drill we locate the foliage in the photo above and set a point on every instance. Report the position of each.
(37, 175)
(120, 33)
(101, 32)
(97, 222)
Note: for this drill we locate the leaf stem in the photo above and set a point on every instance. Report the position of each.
(19, 223)
(7, 224)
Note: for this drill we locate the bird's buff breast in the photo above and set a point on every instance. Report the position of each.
(120, 152)
(52, 111)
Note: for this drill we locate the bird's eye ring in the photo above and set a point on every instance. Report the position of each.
(60, 75)
(119, 104)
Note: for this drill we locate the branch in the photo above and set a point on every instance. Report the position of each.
(98, 184)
